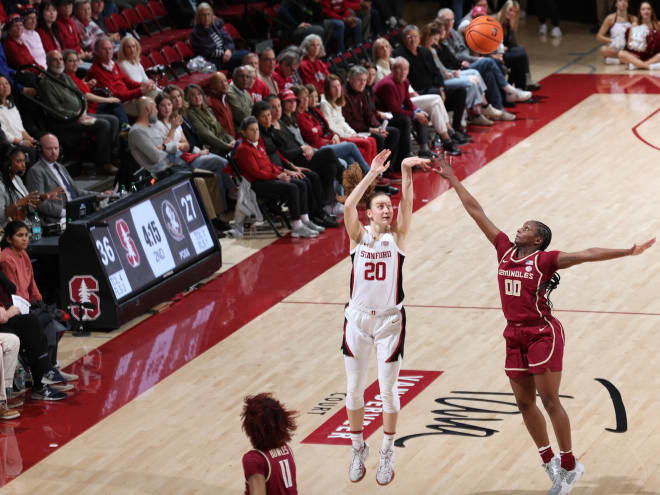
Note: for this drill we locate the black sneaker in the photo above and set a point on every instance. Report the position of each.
(461, 136)
(47, 393)
(450, 148)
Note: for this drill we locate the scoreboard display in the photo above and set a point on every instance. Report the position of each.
(143, 243)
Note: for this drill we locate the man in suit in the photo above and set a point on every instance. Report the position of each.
(47, 174)
(238, 97)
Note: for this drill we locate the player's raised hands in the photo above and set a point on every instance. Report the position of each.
(380, 164)
(640, 248)
(442, 166)
(413, 161)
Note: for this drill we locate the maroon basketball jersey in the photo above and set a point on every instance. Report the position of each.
(277, 467)
(521, 280)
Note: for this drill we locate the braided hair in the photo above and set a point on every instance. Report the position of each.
(544, 231)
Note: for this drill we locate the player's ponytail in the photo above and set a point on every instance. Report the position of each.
(350, 179)
(549, 286)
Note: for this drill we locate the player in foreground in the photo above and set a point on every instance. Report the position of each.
(270, 468)
(534, 338)
(374, 316)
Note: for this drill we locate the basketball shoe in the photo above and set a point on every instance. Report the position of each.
(357, 469)
(566, 480)
(385, 473)
(552, 468)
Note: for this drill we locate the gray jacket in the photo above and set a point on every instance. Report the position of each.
(457, 45)
(41, 179)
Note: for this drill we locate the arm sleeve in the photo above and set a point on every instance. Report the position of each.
(549, 262)
(33, 290)
(139, 141)
(502, 244)
(248, 163)
(307, 131)
(206, 135)
(35, 181)
(387, 98)
(254, 463)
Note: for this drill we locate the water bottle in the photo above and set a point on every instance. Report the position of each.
(83, 210)
(122, 191)
(133, 188)
(19, 378)
(36, 227)
(62, 225)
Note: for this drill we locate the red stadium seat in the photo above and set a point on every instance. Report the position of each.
(178, 66)
(184, 50)
(117, 23)
(146, 61)
(168, 36)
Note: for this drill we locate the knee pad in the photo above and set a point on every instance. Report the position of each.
(354, 399)
(390, 400)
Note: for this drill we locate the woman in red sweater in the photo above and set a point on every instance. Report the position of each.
(47, 28)
(270, 181)
(15, 262)
(312, 68)
(16, 51)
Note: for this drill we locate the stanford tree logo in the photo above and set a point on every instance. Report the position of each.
(84, 289)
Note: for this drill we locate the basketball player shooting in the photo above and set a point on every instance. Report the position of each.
(374, 316)
(534, 338)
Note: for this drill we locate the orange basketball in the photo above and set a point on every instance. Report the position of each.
(484, 34)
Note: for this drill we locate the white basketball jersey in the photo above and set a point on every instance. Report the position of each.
(376, 279)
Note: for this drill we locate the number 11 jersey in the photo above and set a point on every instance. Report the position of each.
(521, 280)
(376, 278)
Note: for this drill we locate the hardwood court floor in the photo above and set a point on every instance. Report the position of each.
(585, 173)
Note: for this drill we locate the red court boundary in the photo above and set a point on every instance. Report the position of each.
(133, 362)
(634, 129)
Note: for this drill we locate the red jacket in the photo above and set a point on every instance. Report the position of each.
(254, 162)
(314, 73)
(122, 86)
(335, 9)
(69, 35)
(357, 111)
(84, 89)
(17, 54)
(258, 91)
(312, 130)
(393, 97)
(222, 112)
(50, 42)
(282, 82)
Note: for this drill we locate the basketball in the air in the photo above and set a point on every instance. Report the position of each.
(484, 34)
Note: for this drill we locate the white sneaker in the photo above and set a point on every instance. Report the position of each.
(357, 469)
(543, 30)
(334, 209)
(555, 32)
(655, 66)
(312, 226)
(385, 473)
(507, 116)
(552, 468)
(612, 61)
(632, 67)
(304, 232)
(518, 95)
(492, 113)
(569, 478)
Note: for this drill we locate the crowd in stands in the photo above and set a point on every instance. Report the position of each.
(351, 79)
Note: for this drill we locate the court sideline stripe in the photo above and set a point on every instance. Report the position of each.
(489, 308)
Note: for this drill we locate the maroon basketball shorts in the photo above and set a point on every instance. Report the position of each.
(532, 349)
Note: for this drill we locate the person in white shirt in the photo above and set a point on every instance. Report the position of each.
(12, 123)
(128, 58)
(31, 38)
